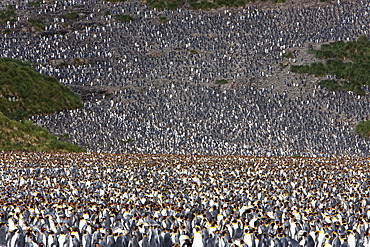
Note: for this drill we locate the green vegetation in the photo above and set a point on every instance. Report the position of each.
(72, 15)
(363, 128)
(352, 74)
(221, 82)
(37, 24)
(162, 19)
(127, 141)
(124, 18)
(330, 85)
(64, 137)
(25, 136)
(108, 95)
(7, 15)
(25, 92)
(63, 64)
(35, 3)
(288, 55)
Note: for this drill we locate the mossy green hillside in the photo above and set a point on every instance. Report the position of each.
(25, 136)
(363, 128)
(25, 92)
(7, 15)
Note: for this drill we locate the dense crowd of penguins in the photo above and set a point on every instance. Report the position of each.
(162, 76)
(230, 44)
(72, 200)
(202, 120)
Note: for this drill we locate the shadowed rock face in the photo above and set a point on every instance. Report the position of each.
(161, 200)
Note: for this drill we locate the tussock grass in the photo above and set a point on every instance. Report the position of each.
(24, 92)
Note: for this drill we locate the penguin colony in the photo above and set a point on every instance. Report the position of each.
(156, 80)
(71, 200)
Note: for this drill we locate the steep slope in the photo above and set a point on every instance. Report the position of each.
(24, 92)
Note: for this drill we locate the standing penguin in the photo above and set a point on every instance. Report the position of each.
(344, 243)
(276, 242)
(62, 240)
(119, 242)
(20, 240)
(352, 242)
(9, 236)
(198, 239)
(144, 242)
(336, 240)
(210, 241)
(167, 241)
(308, 240)
(292, 242)
(86, 239)
(133, 242)
(184, 239)
(153, 238)
(110, 241)
(319, 238)
(283, 241)
(75, 241)
(237, 231)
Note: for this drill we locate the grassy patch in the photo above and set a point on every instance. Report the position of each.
(37, 24)
(72, 15)
(127, 141)
(25, 92)
(221, 82)
(288, 55)
(7, 15)
(25, 136)
(108, 95)
(37, 3)
(162, 19)
(353, 74)
(363, 128)
(331, 85)
(124, 18)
